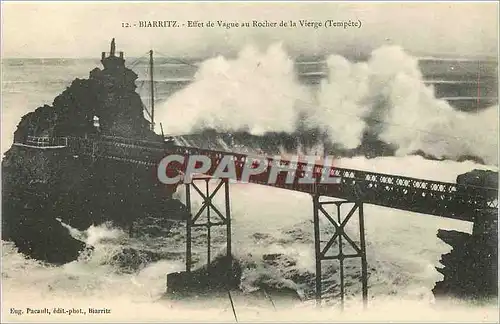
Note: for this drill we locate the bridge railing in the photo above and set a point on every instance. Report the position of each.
(419, 195)
(132, 141)
(46, 141)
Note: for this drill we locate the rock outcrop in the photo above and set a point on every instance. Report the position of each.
(471, 268)
(109, 94)
(42, 185)
(223, 273)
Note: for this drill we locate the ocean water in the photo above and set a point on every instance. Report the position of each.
(268, 91)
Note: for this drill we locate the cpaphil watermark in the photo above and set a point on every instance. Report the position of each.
(176, 168)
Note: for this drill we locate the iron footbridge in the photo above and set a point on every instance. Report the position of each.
(424, 196)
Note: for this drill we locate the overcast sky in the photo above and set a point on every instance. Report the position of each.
(84, 29)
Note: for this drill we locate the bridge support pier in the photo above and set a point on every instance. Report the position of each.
(218, 274)
(224, 218)
(339, 235)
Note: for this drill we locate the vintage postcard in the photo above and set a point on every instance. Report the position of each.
(249, 161)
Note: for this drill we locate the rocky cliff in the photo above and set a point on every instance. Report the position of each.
(43, 185)
(470, 270)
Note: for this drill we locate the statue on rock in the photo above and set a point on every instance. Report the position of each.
(113, 48)
(108, 94)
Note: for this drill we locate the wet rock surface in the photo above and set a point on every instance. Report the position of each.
(470, 270)
(222, 274)
(39, 186)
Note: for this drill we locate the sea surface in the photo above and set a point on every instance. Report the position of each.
(260, 92)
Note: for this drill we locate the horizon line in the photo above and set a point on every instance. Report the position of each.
(444, 58)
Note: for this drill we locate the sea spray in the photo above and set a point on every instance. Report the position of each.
(256, 91)
(413, 119)
(384, 98)
(341, 108)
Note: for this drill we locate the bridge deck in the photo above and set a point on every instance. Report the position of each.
(444, 199)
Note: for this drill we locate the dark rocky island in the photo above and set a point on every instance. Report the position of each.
(42, 185)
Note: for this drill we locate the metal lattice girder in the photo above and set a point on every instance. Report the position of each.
(207, 206)
(339, 232)
(207, 202)
(418, 195)
(339, 223)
